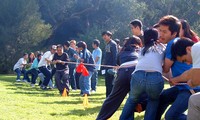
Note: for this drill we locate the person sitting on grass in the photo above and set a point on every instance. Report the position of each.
(19, 67)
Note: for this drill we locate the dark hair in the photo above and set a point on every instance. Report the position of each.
(172, 22)
(150, 37)
(187, 30)
(107, 33)
(179, 46)
(25, 54)
(96, 42)
(131, 43)
(81, 44)
(67, 43)
(38, 55)
(136, 23)
(117, 41)
(59, 46)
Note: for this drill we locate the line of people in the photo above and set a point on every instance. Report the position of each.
(152, 52)
(145, 81)
(54, 63)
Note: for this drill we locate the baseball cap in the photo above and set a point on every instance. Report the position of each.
(54, 47)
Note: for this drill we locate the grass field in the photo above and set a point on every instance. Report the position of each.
(19, 101)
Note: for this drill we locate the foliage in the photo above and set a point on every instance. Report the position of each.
(21, 29)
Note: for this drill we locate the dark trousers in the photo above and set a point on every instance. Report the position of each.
(178, 99)
(47, 75)
(77, 76)
(34, 74)
(72, 77)
(62, 80)
(120, 89)
(109, 83)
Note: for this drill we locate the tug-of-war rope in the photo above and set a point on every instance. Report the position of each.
(82, 69)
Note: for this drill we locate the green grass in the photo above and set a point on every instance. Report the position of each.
(19, 101)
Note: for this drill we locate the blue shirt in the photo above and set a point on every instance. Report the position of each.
(35, 63)
(178, 67)
(97, 53)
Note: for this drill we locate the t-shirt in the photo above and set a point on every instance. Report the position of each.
(63, 57)
(97, 53)
(35, 63)
(20, 63)
(178, 67)
(195, 52)
(152, 60)
(43, 62)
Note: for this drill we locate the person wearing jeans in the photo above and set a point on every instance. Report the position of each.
(169, 28)
(146, 77)
(97, 55)
(19, 67)
(121, 86)
(44, 62)
(85, 81)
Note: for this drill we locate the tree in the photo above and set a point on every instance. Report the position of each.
(21, 29)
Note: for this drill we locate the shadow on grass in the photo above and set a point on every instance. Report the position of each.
(79, 112)
(63, 102)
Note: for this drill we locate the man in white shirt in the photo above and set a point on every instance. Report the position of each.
(44, 62)
(184, 50)
(19, 67)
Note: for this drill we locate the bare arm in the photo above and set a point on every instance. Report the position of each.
(195, 78)
(96, 59)
(167, 65)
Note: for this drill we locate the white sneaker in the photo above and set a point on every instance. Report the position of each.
(25, 81)
(32, 85)
(73, 89)
(93, 91)
(18, 80)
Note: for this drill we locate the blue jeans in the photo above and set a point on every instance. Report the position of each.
(179, 103)
(85, 83)
(19, 71)
(94, 80)
(150, 82)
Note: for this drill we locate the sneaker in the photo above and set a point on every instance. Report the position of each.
(25, 81)
(32, 85)
(73, 89)
(93, 91)
(18, 80)
(43, 87)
